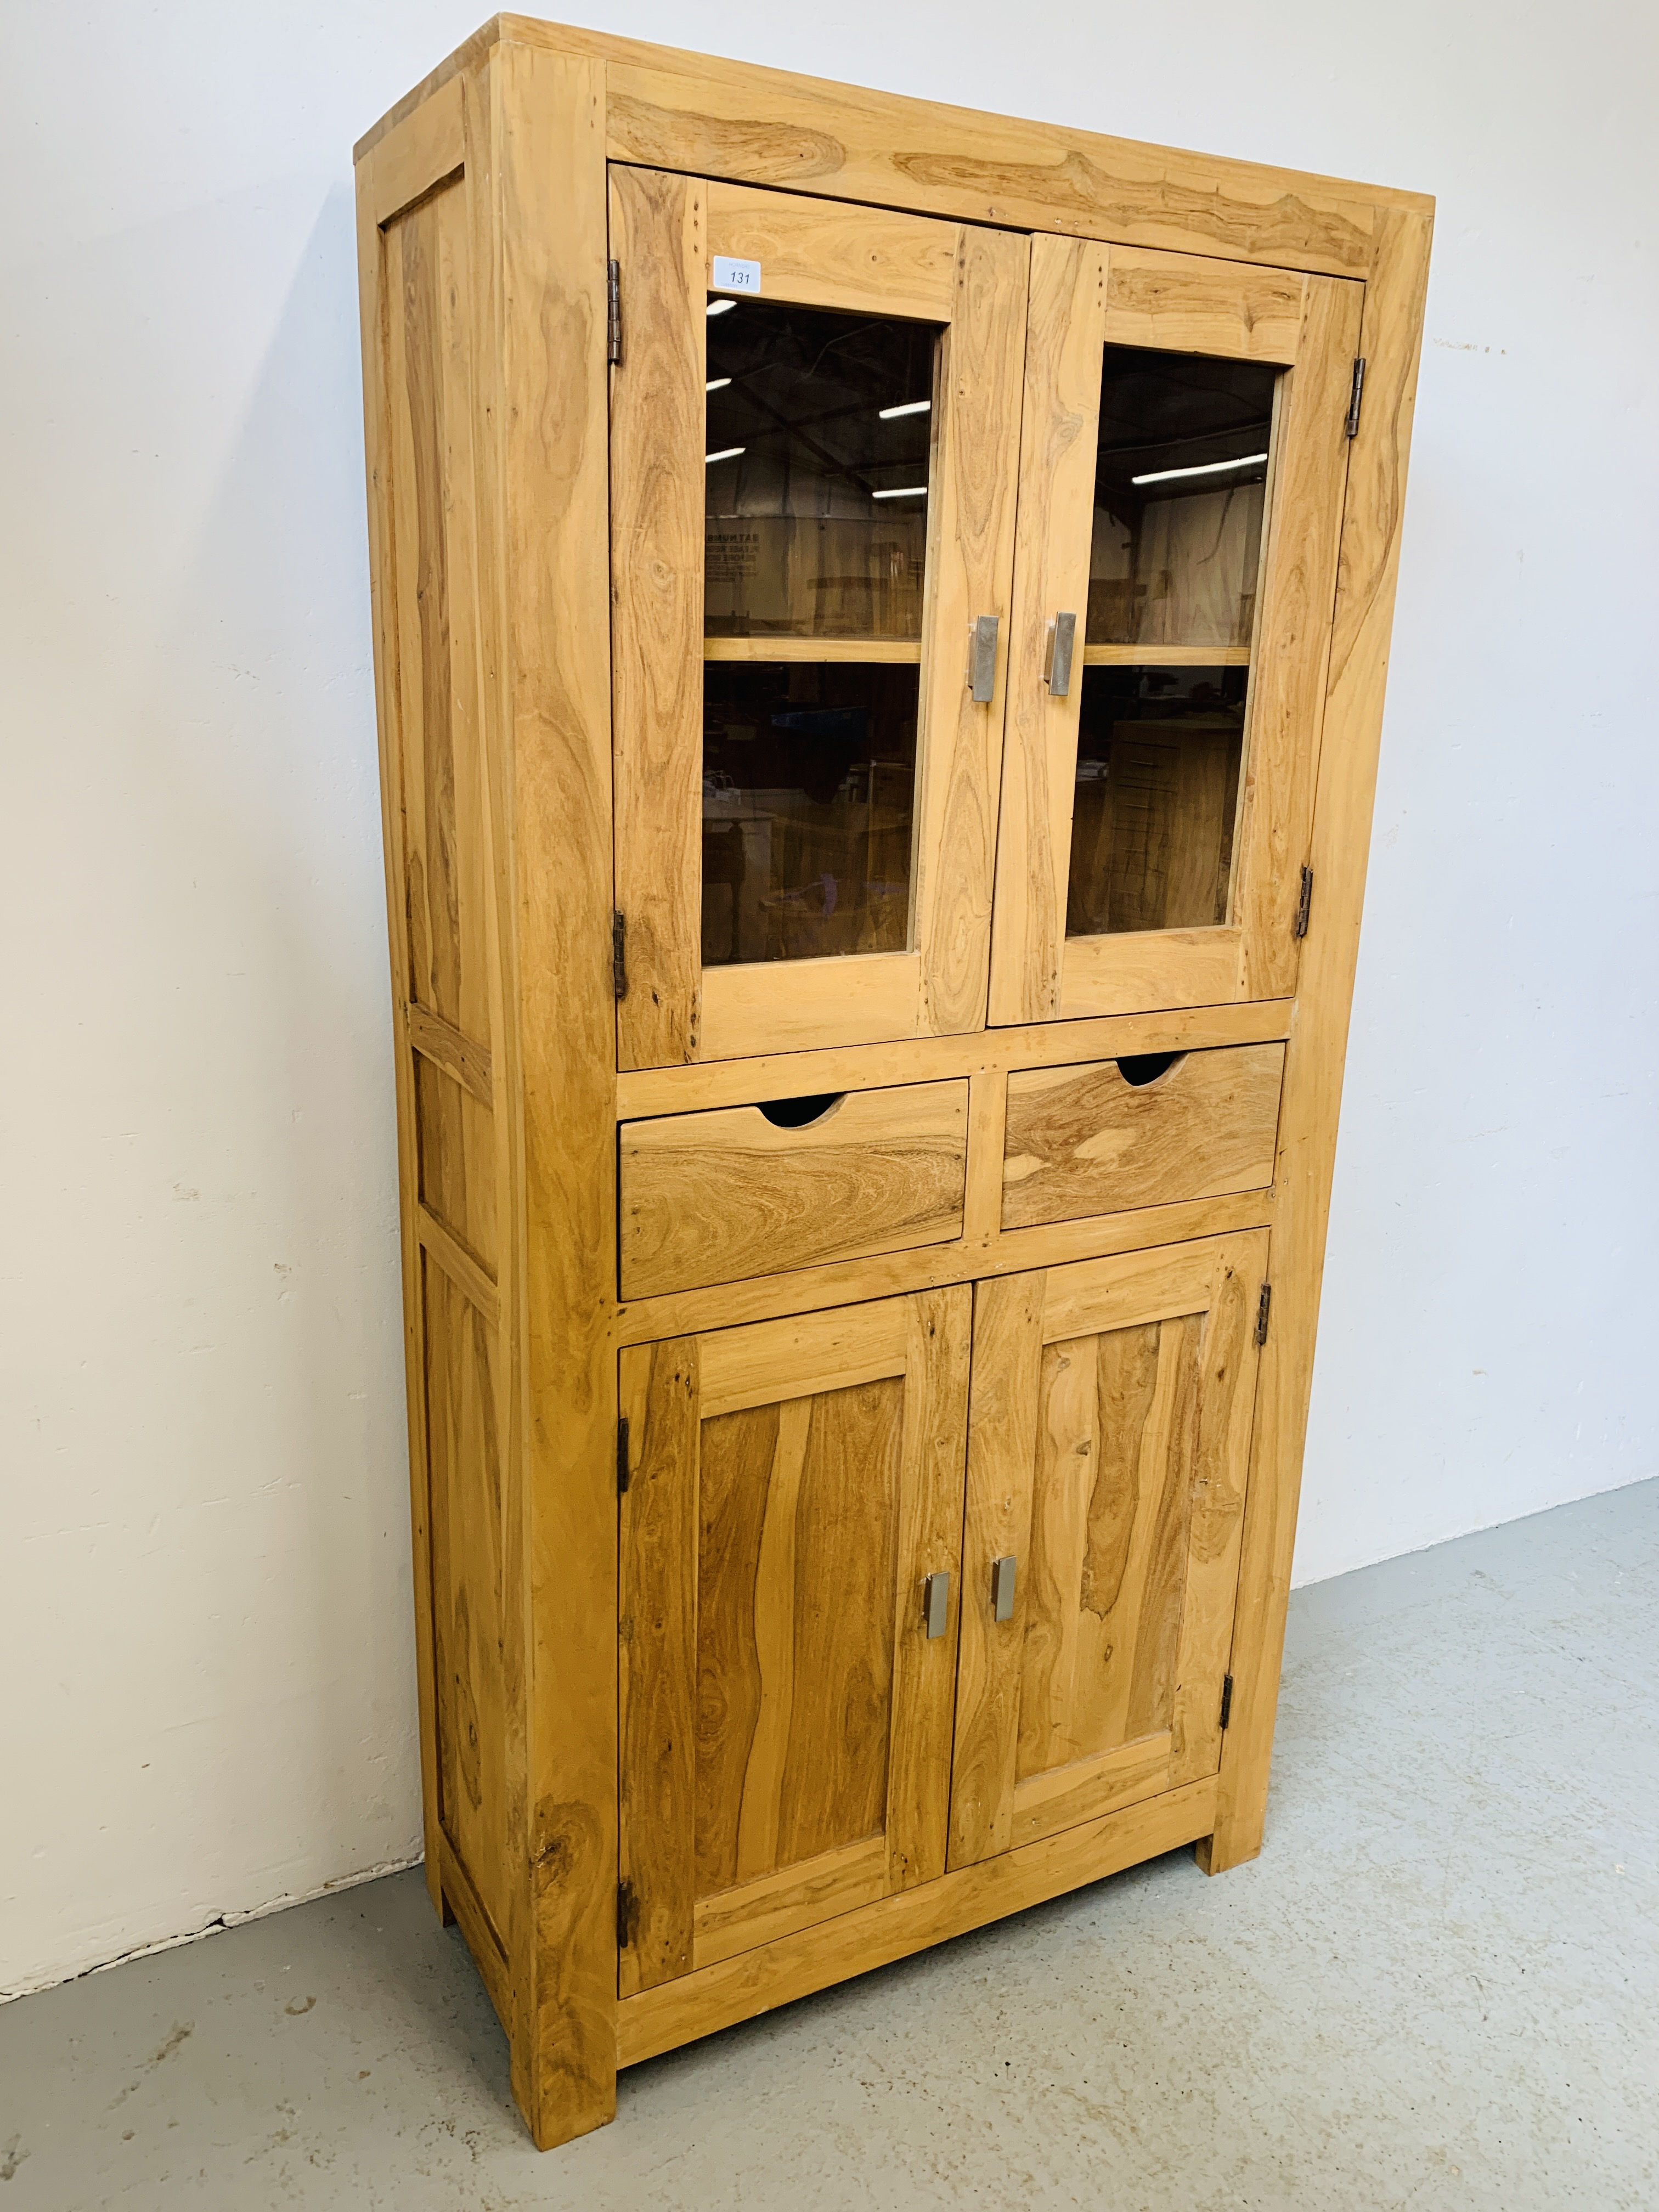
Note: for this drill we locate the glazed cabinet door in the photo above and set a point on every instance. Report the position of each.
(814, 449)
(1109, 1438)
(786, 1666)
(1183, 463)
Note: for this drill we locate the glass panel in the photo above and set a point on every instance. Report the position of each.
(1157, 763)
(819, 431)
(819, 443)
(1179, 487)
(808, 789)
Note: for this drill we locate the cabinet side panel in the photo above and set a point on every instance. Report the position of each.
(418, 308)
(549, 536)
(1391, 335)
(468, 1600)
(442, 796)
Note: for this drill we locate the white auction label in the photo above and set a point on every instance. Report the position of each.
(730, 276)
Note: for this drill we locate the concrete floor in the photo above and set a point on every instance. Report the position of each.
(1439, 1985)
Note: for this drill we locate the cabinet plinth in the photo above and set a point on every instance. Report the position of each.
(868, 655)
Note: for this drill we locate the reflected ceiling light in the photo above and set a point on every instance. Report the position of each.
(910, 407)
(903, 491)
(1203, 469)
(717, 384)
(726, 453)
(721, 306)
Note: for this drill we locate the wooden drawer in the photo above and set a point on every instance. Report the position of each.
(1087, 1140)
(714, 1197)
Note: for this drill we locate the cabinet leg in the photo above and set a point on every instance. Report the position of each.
(1237, 1836)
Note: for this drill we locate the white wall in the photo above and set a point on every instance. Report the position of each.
(204, 1633)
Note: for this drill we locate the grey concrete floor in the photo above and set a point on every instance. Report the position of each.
(1439, 1985)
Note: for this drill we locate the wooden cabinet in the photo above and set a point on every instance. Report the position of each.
(880, 622)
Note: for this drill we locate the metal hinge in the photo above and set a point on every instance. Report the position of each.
(622, 1455)
(1226, 1699)
(1263, 1306)
(625, 1914)
(1353, 423)
(613, 313)
(1303, 904)
(619, 954)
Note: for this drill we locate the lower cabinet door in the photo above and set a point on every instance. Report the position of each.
(785, 1713)
(1108, 1444)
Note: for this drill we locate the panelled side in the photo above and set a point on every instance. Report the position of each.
(441, 845)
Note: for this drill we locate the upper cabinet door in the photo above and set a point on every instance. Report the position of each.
(1181, 477)
(814, 455)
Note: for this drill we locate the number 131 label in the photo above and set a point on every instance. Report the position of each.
(730, 276)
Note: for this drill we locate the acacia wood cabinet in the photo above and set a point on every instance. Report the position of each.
(880, 619)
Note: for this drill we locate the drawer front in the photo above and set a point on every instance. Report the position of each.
(715, 1197)
(1085, 1139)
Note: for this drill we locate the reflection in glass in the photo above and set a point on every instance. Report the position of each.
(817, 517)
(808, 785)
(1179, 488)
(1158, 763)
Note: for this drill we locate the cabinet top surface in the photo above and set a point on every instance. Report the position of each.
(671, 108)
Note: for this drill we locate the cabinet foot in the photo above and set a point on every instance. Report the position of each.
(1227, 1847)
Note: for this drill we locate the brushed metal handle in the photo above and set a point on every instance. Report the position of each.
(983, 658)
(1057, 655)
(1003, 1572)
(936, 1603)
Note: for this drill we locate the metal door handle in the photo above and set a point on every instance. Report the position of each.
(983, 658)
(1003, 1572)
(936, 1602)
(1057, 656)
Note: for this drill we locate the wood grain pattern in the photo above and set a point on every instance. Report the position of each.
(649, 1092)
(456, 1140)
(1209, 307)
(828, 254)
(776, 1360)
(482, 234)
(1148, 968)
(896, 651)
(1060, 1797)
(473, 1282)
(488, 1954)
(789, 1006)
(1292, 640)
(657, 1643)
(786, 1719)
(379, 403)
(436, 584)
(1311, 324)
(427, 145)
(716, 1196)
(1059, 434)
(1119, 1485)
(1084, 1140)
(970, 559)
(1165, 656)
(1390, 338)
(462, 1058)
(659, 238)
(468, 1597)
(550, 659)
(768, 127)
(798, 1896)
(970, 1259)
(795, 1629)
(997, 1521)
(938, 1348)
(853, 1942)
